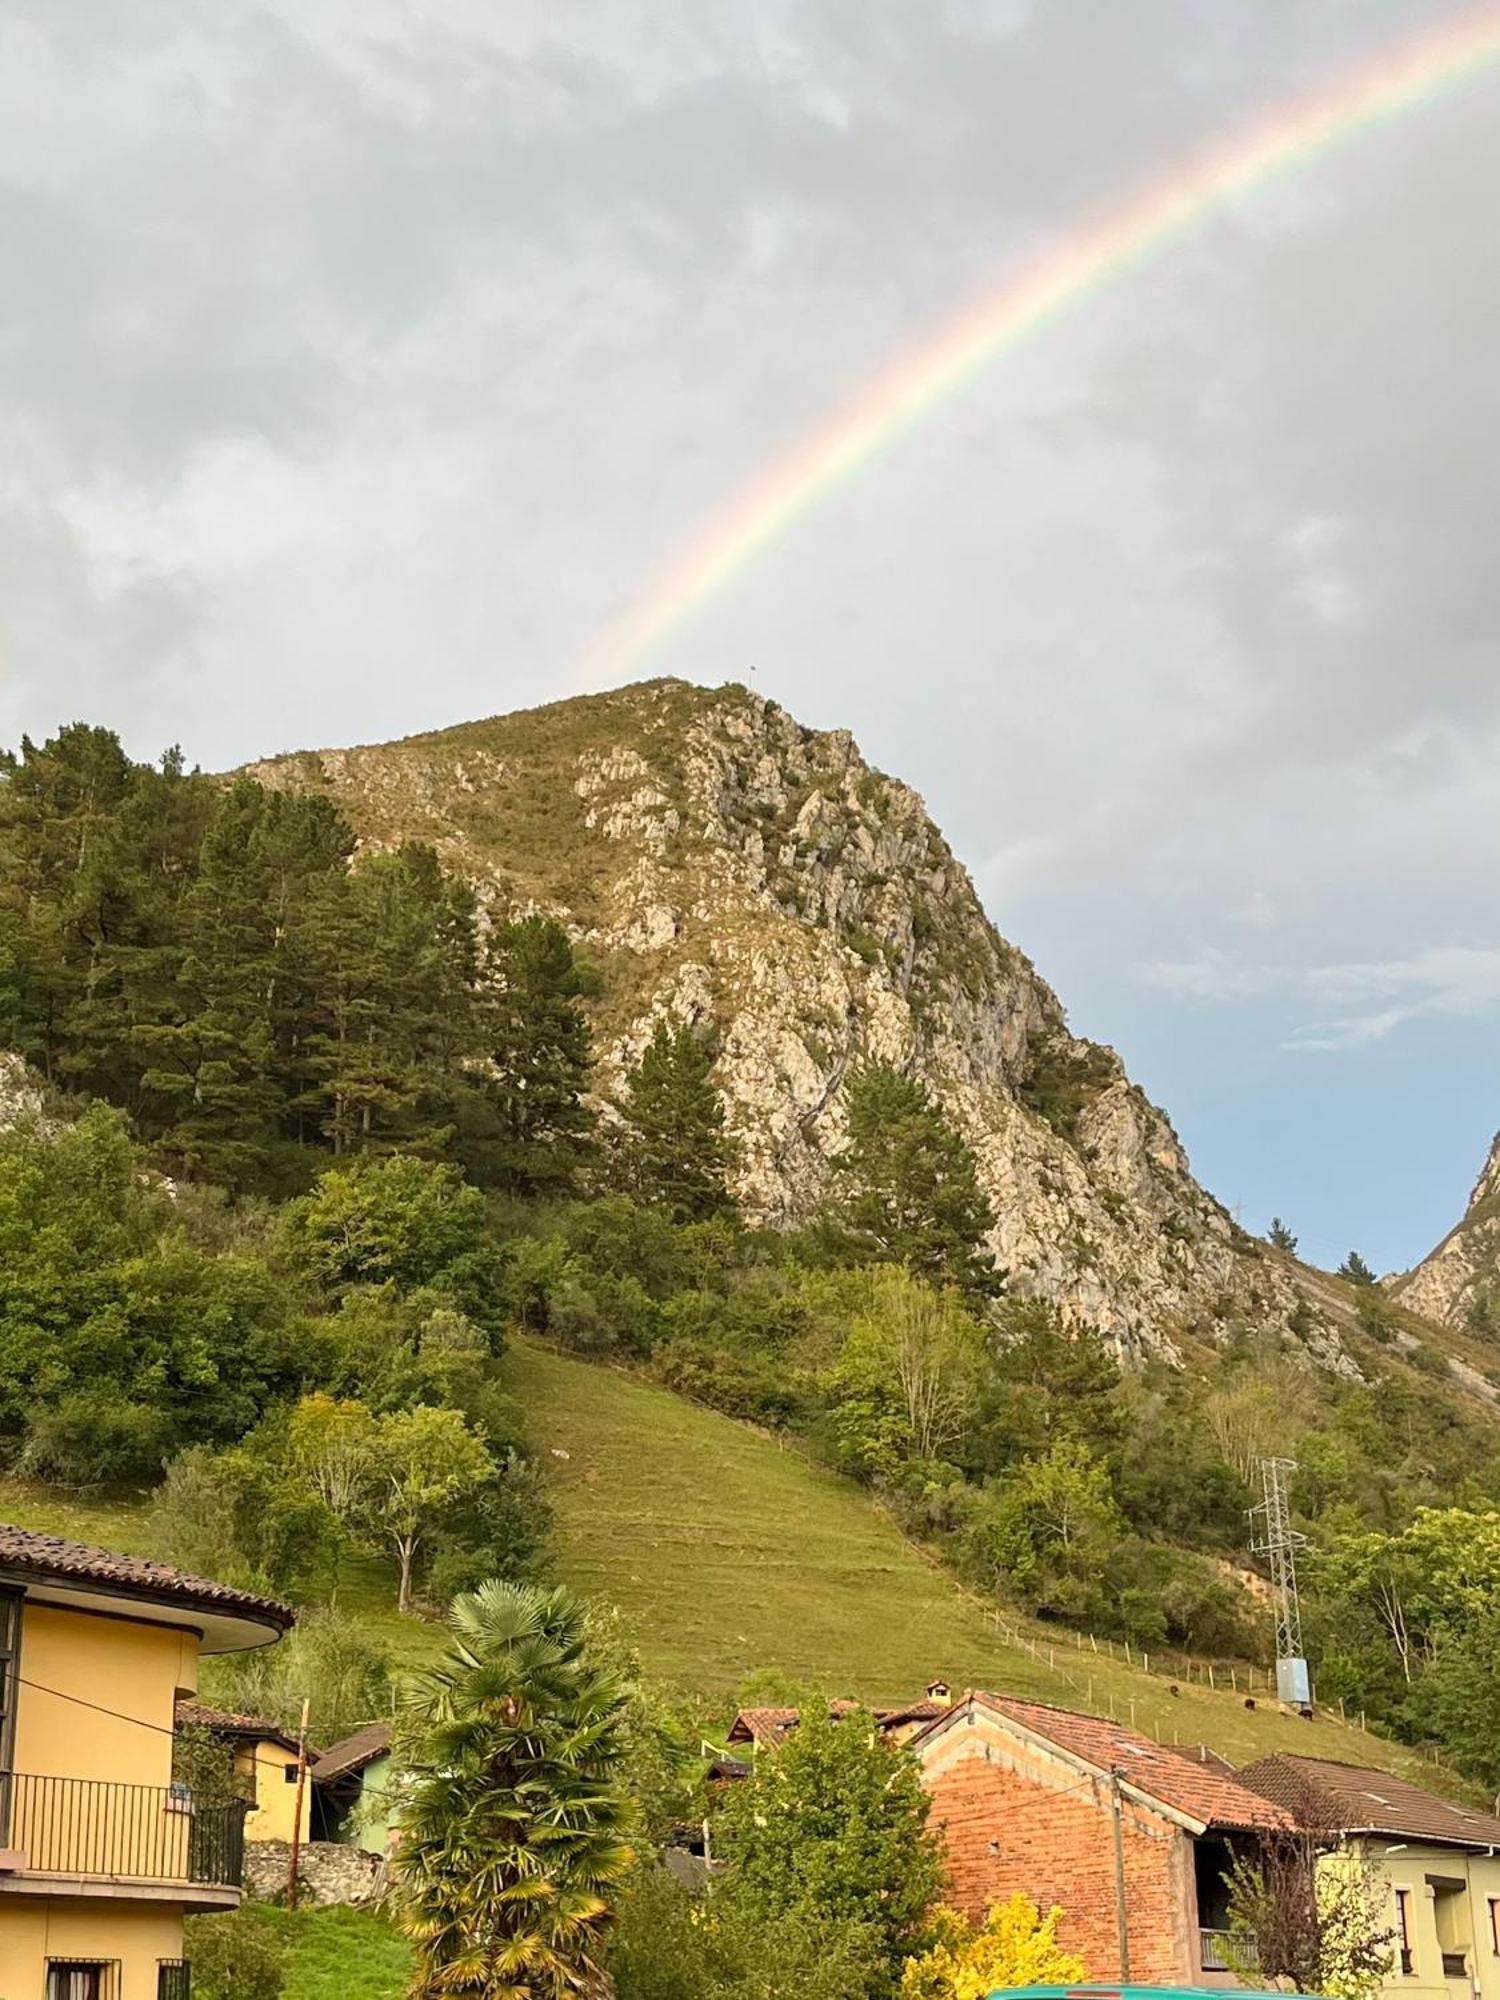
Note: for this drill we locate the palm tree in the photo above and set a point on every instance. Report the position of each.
(513, 1827)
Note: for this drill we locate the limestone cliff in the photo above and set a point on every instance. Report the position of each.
(718, 860)
(1462, 1275)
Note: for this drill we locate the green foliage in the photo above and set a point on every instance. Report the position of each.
(1047, 1532)
(1280, 1237)
(327, 1658)
(119, 1338)
(530, 1129)
(833, 1827)
(1065, 1078)
(913, 1187)
(672, 1147)
(234, 1957)
(407, 1223)
(209, 958)
(335, 1953)
(673, 1944)
(907, 1376)
(514, 1829)
(1356, 1270)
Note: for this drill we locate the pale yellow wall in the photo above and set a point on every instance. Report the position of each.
(264, 1764)
(1408, 1867)
(132, 1671)
(36, 1928)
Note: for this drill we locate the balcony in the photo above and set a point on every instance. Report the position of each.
(1214, 1952)
(82, 1836)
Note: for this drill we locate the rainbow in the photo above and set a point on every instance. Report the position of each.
(1398, 83)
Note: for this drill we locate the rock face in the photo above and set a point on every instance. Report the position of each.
(720, 862)
(1463, 1273)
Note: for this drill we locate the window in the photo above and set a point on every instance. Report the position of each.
(174, 1979)
(83, 1978)
(289, 1772)
(1404, 1931)
(1495, 1925)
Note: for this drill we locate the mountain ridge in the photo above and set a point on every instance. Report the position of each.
(725, 864)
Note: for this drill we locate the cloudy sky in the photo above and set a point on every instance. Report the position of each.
(363, 360)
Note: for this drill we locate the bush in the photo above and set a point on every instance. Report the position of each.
(94, 1439)
(672, 1944)
(235, 1957)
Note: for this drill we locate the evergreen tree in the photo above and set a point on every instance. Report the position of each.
(513, 1825)
(387, 958)
(1356, 1270)
(673, 1148)
(914, 1195)
(834, 1827)
(230, 1056)
(1280, 1237)
(530, 1130)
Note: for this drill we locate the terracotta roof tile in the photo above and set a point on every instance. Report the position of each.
(1199, 1791)
(228, 1722)
(1355, 1798)
(26, 1553)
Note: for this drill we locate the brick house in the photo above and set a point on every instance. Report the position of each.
(1132, 1840)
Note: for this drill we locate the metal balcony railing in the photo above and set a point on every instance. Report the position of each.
(1213, 1954)
(136, 1833)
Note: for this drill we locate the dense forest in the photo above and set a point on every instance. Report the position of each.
(320, 1134)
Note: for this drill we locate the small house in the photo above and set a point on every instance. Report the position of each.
(1439, 1863)
(352, 1787)
(264, 1758)
(102, 1851)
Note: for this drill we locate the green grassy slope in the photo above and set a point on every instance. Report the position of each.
(726, 1552)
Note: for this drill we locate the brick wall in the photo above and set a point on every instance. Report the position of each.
(1005, 1830)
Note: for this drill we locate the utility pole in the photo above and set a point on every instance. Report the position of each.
(1277, 1540)
(1122, 1914)
(295, 1859)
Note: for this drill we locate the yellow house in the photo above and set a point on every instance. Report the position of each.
(1439, 1863)
(265, 1769)
(101, 1855)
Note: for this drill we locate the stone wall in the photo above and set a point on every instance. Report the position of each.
(327, 1872)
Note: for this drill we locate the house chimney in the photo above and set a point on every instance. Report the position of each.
(938, 1691)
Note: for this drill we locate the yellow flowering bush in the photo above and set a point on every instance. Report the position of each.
(1016, 1946)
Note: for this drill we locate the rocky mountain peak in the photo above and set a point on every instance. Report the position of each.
(1461, 1277)
(722, 863)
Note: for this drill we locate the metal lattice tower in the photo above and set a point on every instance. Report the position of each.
(1278, 1541)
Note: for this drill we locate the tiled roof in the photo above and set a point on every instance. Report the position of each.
(24, 1552)
(226, 1722)
(1354, 1798)
(367, 1743)
(1174, 1778)
(770, 1727)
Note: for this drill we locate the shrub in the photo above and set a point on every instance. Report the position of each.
(235, 1957)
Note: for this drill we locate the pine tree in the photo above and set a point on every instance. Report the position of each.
(1356, 1270)
(914, 1195)
(514, 1826)
(387, 958)
(218, 1067)
(673, 1149)
(1280, 1237)
(530, 1130)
